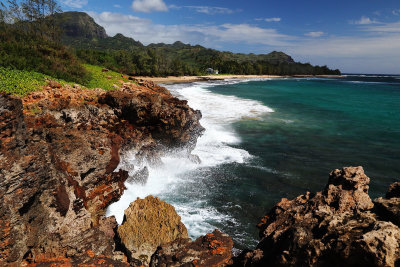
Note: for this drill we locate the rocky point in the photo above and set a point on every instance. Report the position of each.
(60, 148)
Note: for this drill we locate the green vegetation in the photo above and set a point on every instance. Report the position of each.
(104, 80)
(30, 40)
(23, 82)
(20, 82)
(128, 56)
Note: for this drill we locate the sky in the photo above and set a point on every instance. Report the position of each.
(355, 36)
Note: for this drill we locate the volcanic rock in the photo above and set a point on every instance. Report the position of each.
(59, 150)
(147, 224)
(335, 227)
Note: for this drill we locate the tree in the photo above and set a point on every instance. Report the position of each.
(3, 14)
(40, 14)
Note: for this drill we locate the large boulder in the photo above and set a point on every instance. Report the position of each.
(149, 223)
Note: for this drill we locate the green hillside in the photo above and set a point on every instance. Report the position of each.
(126, 55)
(68, 46)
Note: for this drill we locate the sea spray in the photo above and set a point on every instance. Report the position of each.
(178, 176)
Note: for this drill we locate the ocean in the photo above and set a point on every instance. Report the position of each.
(272, 138)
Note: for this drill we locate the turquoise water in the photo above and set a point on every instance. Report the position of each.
(318, 125)
(275, 138)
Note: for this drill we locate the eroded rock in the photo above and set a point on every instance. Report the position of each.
(147, 224)
(335, 227)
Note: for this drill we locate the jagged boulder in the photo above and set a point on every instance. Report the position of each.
(147, 224)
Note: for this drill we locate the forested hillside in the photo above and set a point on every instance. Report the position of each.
(36, 36)
(126, 55)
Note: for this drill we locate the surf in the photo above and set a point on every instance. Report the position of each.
(178, 176)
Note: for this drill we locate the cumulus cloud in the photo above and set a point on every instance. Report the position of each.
(149, 5)
(75, 3)
(365, 21)
(374, 49)
(314, 34)
(147, 32)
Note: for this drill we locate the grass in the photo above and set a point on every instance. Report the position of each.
(104, 80)
(23, 82)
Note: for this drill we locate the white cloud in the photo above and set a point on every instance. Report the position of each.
(117, 6)
(396, 12)
(314, 34)
(269, 19)
(75, 3)
(365, 21)
(211, 10)
(376, 54)
(273, 19)
(147, 32)
(393, 27)
(149, 5)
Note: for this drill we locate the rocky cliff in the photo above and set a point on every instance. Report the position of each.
(60, 148)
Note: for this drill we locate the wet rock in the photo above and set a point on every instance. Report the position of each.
(139, 177)
(394, 190)
(213, 249)
(147, 224)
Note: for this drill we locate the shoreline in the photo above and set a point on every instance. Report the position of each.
(190, 79)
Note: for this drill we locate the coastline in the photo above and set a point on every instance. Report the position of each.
(189, 79)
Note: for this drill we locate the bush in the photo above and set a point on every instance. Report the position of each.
(22, 51)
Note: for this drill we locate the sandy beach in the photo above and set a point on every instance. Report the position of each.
(188, 79)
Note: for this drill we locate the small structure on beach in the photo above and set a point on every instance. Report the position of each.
(212, 71)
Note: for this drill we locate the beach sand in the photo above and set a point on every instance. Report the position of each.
(188, 79)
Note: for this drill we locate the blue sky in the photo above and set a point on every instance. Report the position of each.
(357, 36)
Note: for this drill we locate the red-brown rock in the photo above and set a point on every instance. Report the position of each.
(59, 151)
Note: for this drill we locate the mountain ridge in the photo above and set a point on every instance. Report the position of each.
(124, 54)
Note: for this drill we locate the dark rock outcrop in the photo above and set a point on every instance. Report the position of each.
(335, 227)
(212, 250)
(147, 224)
(59, 150)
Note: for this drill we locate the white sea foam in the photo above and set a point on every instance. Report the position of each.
(214, 148)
